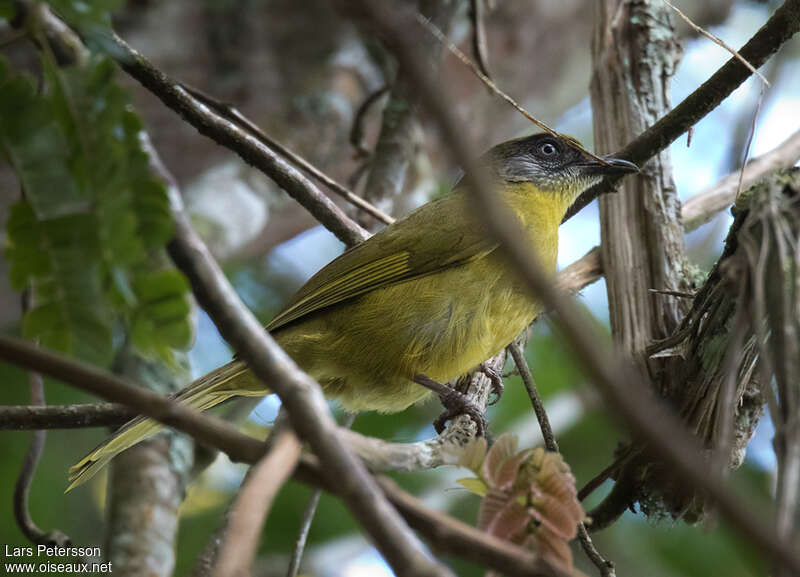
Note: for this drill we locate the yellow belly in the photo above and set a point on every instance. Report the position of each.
(366, 351)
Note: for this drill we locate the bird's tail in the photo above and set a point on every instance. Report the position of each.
(231, 380)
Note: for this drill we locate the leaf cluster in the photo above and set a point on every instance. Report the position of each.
(89, 232)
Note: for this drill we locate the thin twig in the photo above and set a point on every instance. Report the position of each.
(605, 566)
(479, 47)
(441, 37)
(359, 121)
(617, 379)
(253, 504)
(22, 488)
(302, 535)
(536, 400)
(249, 147)
(597, 480)
(750, 136)
(308, 517)
(716, 40)
(781, 26)
(233, 114)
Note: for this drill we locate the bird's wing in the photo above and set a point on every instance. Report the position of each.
(452, 236)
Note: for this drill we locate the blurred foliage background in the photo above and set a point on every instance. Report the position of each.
(301, 72)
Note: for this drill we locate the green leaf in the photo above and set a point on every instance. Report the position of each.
(162, 318)
(90, 235)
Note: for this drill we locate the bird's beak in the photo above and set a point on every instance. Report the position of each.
(612, 167)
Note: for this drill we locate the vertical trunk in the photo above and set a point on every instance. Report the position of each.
(634, 54)
(395, 148)
(147, 484)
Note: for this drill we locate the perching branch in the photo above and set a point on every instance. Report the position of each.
(446, 533)
(620, 386)
(300, 395)
(605, 566)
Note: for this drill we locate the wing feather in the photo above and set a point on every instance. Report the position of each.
(396, 254)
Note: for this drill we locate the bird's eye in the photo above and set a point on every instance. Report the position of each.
(548, 149)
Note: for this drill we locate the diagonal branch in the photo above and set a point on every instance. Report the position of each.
(696, 211)
(446, 533)
(606, 567)
(300, 395)
(232, 136)
(615, 378)
(780, 27)
(253, 503)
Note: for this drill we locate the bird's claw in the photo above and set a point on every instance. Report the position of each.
(456, 404)
(497, 381)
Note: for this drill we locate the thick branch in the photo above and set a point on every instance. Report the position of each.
(781, 26)
(248, 146)
(697, 210)
(456, 536)
(300, 395)
(620, 386)
(253, 503)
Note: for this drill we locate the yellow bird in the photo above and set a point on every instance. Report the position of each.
(421, 302)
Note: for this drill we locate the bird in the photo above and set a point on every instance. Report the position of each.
(423, 301)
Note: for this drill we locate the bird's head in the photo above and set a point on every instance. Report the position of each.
(553, 165)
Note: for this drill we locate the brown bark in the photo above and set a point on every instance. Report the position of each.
(147, 484)
(634, 54)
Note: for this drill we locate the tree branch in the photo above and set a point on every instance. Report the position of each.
(696, 211)
(780, 27)
(253, 503)
(605, 566)
(300, 395)
(620, 386)
(27, 417)
(230, 135)
(454, 536)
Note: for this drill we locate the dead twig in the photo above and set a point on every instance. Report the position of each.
(615, 378)
(716, 40)
(359, 121)
(308, 517)
(605, 566)
(441, 37)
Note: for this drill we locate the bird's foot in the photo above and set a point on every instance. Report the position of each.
(497, 381)
(455, 404)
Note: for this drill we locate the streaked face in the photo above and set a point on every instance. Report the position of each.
(551, 164)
